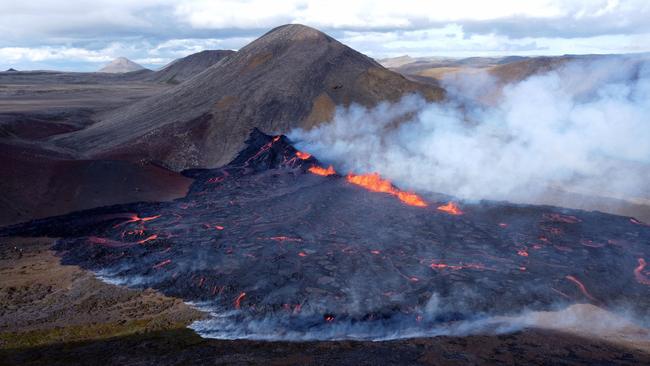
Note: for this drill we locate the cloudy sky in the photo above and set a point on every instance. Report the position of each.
(83, 35)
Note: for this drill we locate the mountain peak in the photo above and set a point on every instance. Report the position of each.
(121, 65)
(291, 33)
(296, 32)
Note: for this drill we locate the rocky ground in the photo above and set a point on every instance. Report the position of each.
(54, 314)
(61, 315)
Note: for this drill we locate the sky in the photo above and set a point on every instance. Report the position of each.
(81, 35)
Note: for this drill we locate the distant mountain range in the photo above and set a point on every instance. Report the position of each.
(505, 69)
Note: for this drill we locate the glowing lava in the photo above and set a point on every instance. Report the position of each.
(373, 182)
(638, 273)
(239, 299)
(303, 155)
(451, 208)
(322, 171)
(582, 287)
(149, 238)
(136, 218)
(162, 264)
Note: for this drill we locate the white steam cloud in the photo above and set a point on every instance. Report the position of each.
(585, 125)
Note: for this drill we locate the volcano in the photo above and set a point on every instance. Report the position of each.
(293, 76)
(275, 251)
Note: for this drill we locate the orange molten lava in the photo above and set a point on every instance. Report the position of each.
(451, 208)
(162, 264)
(149, 238)
(136, 218)
(373, 182)
(322, 171)
(582, 287)
(303, 155)
(239, 299)
(638, 273)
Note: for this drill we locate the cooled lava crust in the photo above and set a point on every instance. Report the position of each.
(275, 250)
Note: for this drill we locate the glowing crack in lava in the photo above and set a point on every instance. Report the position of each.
(239, 299)
(638, 273)
(582, 287)
(322, 171)
(271, 252)
(451, 208)
(373, 182)
(162, 264)
(136, 218)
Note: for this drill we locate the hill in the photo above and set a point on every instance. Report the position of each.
(293, 76)
(121, 65)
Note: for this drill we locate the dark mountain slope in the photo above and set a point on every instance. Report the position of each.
(189, 66)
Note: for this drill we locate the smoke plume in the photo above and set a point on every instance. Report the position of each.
(583, 127)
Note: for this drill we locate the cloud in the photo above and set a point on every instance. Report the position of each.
(91, 58)
(13, 54)
(379, 28)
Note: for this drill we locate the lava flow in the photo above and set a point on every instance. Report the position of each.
(373, 182)
(322, 171)
(638, 273)
(582, 287)
(451, 208)
(239, 299)
(136, 218)
(358, 265)
(303, 155)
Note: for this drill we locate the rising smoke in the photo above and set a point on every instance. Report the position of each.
(584, 126)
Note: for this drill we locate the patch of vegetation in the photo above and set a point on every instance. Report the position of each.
(85, 332)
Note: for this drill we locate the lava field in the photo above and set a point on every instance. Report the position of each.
(276, 245)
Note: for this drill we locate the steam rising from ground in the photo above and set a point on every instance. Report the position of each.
(585, 126)
(581, 319)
